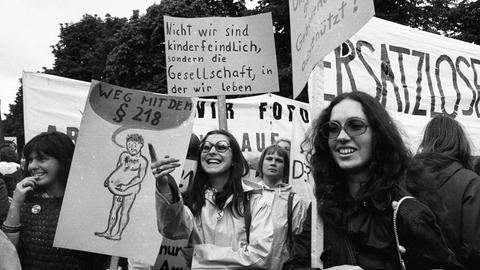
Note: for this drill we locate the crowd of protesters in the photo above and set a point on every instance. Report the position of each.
(382, 207)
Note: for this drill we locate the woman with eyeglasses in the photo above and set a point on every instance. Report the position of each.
(225, 219)
(359, 163)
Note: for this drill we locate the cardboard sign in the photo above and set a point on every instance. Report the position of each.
(220, 56)
(319, 26)
(109, 200)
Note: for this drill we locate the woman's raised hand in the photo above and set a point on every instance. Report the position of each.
(23, 187)
(162, 168)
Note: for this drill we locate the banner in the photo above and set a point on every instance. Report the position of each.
(52, 103)
(109, 204)
(414, 74)
(215, 56)
(319, 26)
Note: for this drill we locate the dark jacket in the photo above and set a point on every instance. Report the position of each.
(367, 239)
(460, 192)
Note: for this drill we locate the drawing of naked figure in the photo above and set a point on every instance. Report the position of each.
(124, 184)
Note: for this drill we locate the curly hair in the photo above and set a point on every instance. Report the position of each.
(388, 165)
(195, 195)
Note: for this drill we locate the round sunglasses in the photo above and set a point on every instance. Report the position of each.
(354, 127)
(220, 146)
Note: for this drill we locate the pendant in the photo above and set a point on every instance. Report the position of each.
(36, 209)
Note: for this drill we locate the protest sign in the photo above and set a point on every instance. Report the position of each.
(414, 74)
(319, 26)
(220, 56)
(110, 172)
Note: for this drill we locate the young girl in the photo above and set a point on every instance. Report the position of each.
(214, 212)
(288, 210)
(33, 215)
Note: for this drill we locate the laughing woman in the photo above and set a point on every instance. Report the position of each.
(225, 219)
(359, 163)
(33, 215)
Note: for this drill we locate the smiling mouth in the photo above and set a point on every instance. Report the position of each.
(346, 151)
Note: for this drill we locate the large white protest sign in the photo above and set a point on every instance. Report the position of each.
(319, 26)
(415, 74)
(109, 204)
(220, 56)
(52, 103)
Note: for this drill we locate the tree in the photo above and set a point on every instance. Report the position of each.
(464, 21)
(13, 123)
(138, 61)
(82, 50)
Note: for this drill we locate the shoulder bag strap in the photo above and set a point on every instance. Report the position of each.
(289, 219)
(400, 249)
(247, 214)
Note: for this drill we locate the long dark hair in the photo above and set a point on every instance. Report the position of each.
(275, 149)
(388, 165)
(445, 136)
(195, 195)
(53, 144)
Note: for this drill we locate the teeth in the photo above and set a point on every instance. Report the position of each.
(213, 161)
(345, 151)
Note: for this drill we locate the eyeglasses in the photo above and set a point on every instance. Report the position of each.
(354, 127)
(220, 146)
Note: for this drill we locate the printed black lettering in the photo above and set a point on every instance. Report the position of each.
(388, 76)
(360, 45)
(446, 58)
(401, 51)
(418, 97)
(463, 60)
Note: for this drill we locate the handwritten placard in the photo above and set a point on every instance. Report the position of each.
(110, 172)
(220, 56)
(319, 26)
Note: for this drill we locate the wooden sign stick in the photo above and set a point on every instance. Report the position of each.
(222, 112)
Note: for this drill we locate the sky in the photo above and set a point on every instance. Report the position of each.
(29, 27)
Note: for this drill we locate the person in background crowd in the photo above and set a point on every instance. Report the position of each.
(288, 210)
(35, 207)
(226, 219)
(10, 170)
(284, 143)
(359, 162)
(445, 153)
(193, 153)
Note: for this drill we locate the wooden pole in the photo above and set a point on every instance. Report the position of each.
(114, 263)
(315, 95)
(222, 112)
(2, 134)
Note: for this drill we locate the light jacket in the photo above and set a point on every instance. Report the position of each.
(277, 199)
(218, 237)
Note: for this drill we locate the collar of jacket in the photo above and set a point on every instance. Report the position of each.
(247, 185)
(447, 172)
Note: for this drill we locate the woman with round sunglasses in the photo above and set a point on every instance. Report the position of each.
(288, 209)
(359, 164)
(215, 211)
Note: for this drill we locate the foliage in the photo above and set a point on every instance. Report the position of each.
(82, 50)
(13, 123)
(131, 52)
